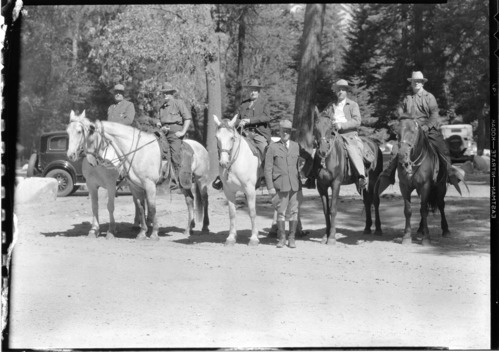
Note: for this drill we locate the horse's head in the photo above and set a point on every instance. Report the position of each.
(408, 130)
(226, 136)
(81, 134)
(323, 132)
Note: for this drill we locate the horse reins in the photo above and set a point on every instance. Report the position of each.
(232, 156)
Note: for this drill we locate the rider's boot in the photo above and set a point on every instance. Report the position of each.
(217, 184)
(387, 176)
(281, 233)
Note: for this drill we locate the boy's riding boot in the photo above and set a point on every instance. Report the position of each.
(292, 232)
(387, 176)
(217, 184)
(281, 233)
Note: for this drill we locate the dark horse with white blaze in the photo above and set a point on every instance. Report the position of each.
(420, 168)
(336, 171)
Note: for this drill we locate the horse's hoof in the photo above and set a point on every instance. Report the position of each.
(141, 236)
(302, 233)
(154, 237)
(92, 234)
(136, 226)
(109, 236)
(367, 232)
(407, 240)
(378, 233)
(425, 242)
(230, 243)
(253, 243)
(331, 242)
(205, 231)
(324, 240)
(446, 234)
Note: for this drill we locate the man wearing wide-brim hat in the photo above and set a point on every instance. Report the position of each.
(282, 178)
(345, 115)
(254, 117)
(421, 105)
(123, 110)
(174, 120)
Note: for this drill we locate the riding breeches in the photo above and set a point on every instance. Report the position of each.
(286, 202)
(355, 150)
(175, 146)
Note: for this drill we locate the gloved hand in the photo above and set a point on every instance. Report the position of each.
(425, 128)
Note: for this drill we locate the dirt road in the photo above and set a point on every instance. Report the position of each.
(70, 291)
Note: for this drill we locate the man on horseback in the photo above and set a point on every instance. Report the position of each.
(421, 105)
(174, 120)
(123, 111)
(254, 115)
(345, 115)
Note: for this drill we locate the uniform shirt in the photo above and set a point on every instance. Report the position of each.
(258, 113)
(339, 114)
(174, 112)
(122, 112)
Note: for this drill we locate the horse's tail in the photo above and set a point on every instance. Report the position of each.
(198, 203)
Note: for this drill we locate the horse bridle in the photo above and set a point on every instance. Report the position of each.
(232, 156)
(419, 160)
(330, 143)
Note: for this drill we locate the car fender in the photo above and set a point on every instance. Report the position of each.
(61, 165)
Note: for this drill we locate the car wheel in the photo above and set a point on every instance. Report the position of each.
(66, 184)
(32, 165)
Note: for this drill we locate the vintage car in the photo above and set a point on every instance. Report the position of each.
(51, 161)
(459, 139)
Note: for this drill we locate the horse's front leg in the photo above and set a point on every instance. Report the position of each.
(231, 199)
(189, 200)
(94, 198)
(335, 193)
(326, 211)
(111, 193)
(251, 199)
(367, 197)
(377, 219)
(140, 207)
(441, 208)
(406, 194)
(423, 233)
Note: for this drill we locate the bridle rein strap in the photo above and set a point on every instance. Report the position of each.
(233, 154)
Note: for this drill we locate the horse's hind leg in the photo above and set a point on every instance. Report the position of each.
(441, 208)
(151, 209)
(94, 197)
(423, 232)
(326, 211)
(367, 207)
(206, 217)
(377, 219)
(231, 200)
(111, 193)
(189, 200)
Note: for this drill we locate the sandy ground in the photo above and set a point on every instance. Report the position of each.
(70, 291)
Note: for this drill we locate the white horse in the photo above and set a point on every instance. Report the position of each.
(239, 171)
(140, 157)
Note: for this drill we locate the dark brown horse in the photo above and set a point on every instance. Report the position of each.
(336, 171)
(419, 168)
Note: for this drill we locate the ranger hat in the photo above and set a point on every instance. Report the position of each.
(341, 84)
(118, 88)
(167, 87)
(254, 84)
(417, 76)
(286, 124)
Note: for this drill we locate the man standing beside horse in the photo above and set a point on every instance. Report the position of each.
(283, 180)
(423, 107)
(174, 120)
(254, 115)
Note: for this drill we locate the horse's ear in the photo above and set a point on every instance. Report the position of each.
(217, 120)
(83, 114)
(72, 116)
(233, 121)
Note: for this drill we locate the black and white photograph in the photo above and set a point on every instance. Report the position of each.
(249, 176)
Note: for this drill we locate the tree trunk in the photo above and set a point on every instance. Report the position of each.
(214, 108)
(418, 37)
(241, 38)
(303, 118)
